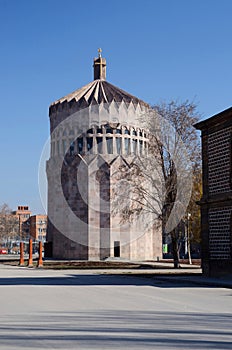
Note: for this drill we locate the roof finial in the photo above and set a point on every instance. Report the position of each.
(99, 65)
(99, 52)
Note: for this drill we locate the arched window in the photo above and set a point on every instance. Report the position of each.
(126, 131)
(126, 143)
(89, 143)
(134, 145)
(134, 132)
(58, 147)
(64, 146)
(145, 147)
(118, 144)
(71, 148)
(109, 130)
(99, 144)
(109, 142)
(80, 145)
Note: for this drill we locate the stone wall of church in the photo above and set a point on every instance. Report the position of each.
(87, 147)
(82, 209)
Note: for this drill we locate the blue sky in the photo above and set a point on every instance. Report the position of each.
(156, 50)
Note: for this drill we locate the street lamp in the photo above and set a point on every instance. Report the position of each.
(188, 238)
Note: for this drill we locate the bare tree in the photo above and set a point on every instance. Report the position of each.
(181, 116)
(8, 224)
(160, 182)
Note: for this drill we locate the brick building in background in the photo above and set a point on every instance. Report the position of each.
(38, 227)
(30, 226)
(23, 214)
(216, 202)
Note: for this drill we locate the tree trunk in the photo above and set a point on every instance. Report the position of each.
(175, 251)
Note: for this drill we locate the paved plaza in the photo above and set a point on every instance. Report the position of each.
(77, 309)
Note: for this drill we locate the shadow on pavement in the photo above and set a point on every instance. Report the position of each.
(104, 279)
(111, 329)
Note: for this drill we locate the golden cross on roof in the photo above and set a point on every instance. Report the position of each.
(99, 52)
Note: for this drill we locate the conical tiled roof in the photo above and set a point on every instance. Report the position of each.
(97, 92)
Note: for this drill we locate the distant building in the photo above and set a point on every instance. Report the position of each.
(23, 213)
(216, 202)
(38, 227)
(30, 226)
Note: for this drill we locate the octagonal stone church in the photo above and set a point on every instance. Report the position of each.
(95, 132)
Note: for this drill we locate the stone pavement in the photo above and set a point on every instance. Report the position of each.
(111, 309)
(164, 271)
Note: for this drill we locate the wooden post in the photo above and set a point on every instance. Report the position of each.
(21, 261)
(30, 261)
(40, 261)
